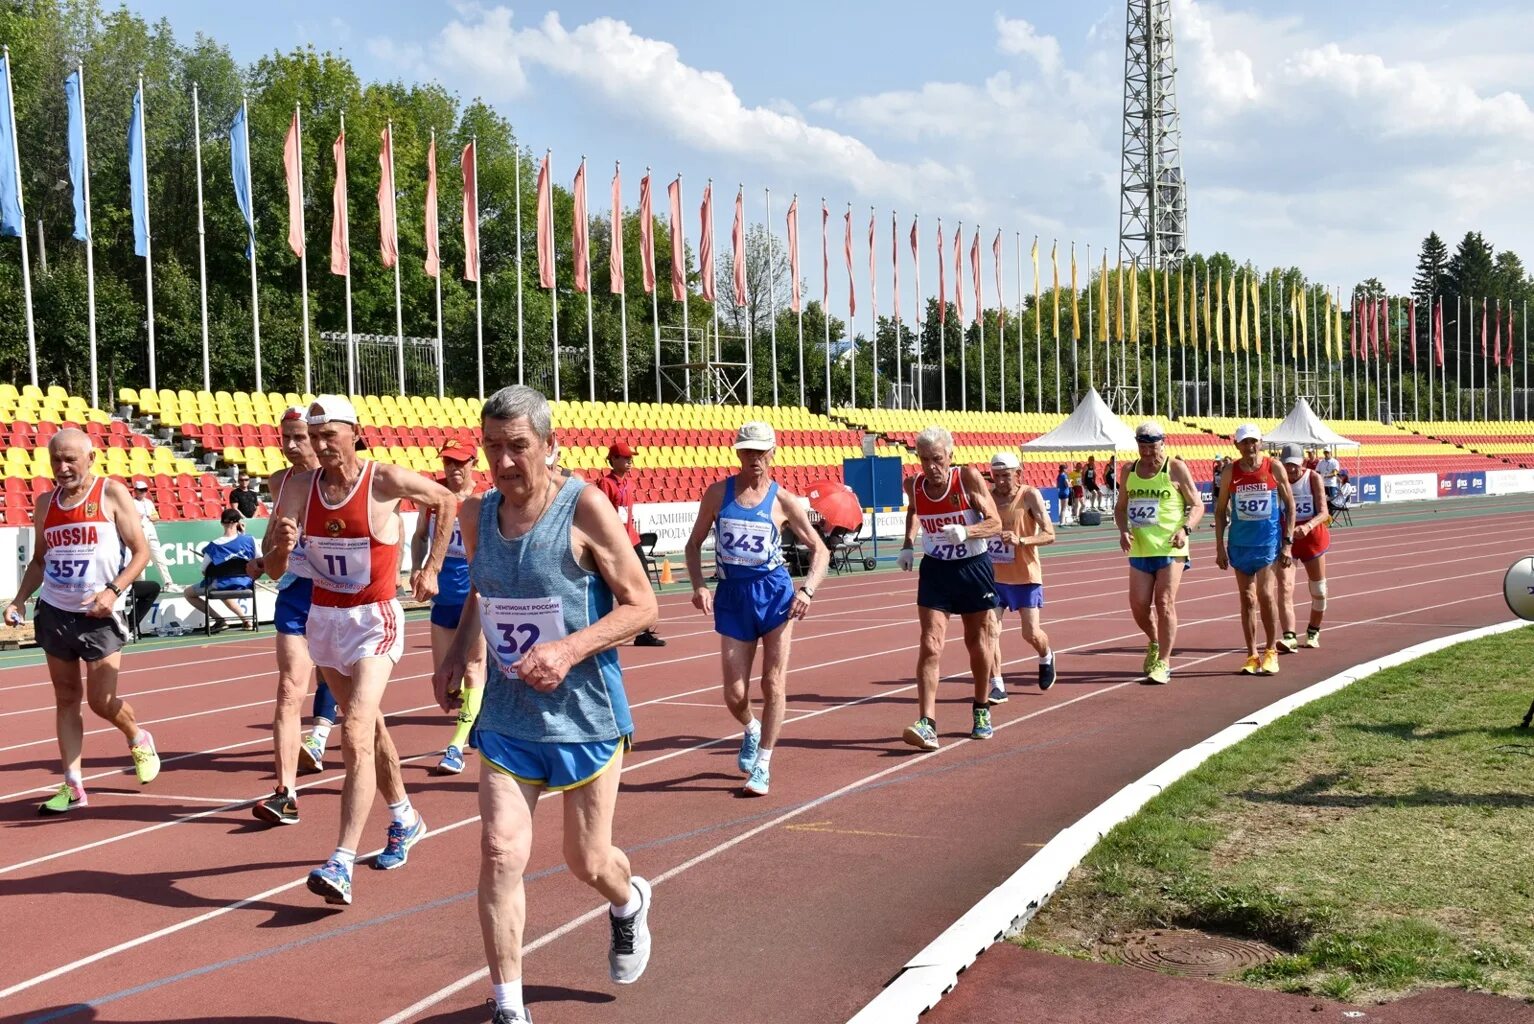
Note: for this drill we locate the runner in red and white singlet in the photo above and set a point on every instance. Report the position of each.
(346, 512)
(1312, 538)
(83, 527)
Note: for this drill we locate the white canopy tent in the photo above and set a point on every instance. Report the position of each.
(1092, 426)
(1303, 427)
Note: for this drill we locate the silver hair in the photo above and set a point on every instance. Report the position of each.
(517, 401)
(71, 434)
(935, 437)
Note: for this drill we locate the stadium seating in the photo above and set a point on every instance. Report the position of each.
(1506, 443)
(1381, 448)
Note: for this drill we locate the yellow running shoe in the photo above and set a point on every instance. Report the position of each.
(146, 760)
(1312, 637)
(1160, 673)
(1270, 662)
(1152, 655)
(1253, 666)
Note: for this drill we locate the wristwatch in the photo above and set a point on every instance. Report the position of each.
(114, 588)
(807, 592)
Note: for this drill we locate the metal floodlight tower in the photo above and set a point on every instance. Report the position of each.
(1153, 203)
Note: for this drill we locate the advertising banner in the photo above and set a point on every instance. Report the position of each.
(1409, 487)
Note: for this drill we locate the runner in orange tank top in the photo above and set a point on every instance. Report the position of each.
(347, 513)
(1025, 527)
(83, 526)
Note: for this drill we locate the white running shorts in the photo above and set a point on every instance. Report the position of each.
(341, 637)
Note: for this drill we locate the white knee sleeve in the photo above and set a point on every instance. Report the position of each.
(1318, 595)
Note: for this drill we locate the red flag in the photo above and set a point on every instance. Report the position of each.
(580, 233)
(795, 299)
(825, 258)
(647, 234)
(433, 257)
(1496, 336)
(942, 278)
(1438, 333)
(1483, 328)
(895, 265)
(295, 177)
(958, 274)
(706, 243)
(678, 245)
(1411, 329)
(388, 239)
(469, 161)
(974, 269)
(1509, 334)
(738, 256)
(873, 277)
(1385, 326)
(852, 291)
(340, 261)
(545, 226)
(615, 246)
(1001, 307)
(1372, 329)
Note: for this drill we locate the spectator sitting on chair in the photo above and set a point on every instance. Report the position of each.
(1346, 492)
(615, 486)
(244, 498)
(234, 544)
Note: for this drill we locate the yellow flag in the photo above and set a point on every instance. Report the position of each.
(1208, 332)
(1118, 310)
(1166, 305)
(1231, 299)
(1193, 306)
(1054, 259)
(1327, 324)
(1134, 302)
(1102, 301)
(1075, 300)
(1182, 309)
(1153, 306)
(1244, 334)
(1294, 320)
(1219, 316)
(1304, 323)
(1337, 331)
(1257, 315)
(1038, 308)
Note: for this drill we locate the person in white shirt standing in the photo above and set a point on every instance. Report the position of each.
(148, 515)
(1328, 468)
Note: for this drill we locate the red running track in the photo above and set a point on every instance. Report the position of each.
(170, 903)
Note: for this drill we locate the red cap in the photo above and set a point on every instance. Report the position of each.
(620, 450)
(458, 451)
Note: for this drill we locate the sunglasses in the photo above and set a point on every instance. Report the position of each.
(1149, 438)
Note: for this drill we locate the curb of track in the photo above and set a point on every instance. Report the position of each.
(1007, 909)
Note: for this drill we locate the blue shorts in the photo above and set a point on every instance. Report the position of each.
(292, 613)
(1249, 561)
(446, 615)
(553, 766)
(749, 609)
(957, 587)
(1155, 563)
(1014, 597)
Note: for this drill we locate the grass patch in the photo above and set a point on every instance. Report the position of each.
(1382, 837)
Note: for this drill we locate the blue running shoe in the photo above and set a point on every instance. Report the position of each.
(397, 849)
(922, 735)
(982, 729)
(760, 779)
(451, 763)
(333, 881)
(750, 743)
(1046, 674)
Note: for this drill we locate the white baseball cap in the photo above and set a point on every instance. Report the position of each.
(755, 436)
(1004, 460)
(1248, 432)
(332, 409)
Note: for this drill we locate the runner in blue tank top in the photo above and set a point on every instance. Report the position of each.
(756, 599)
(555, 588)
(1257, 489)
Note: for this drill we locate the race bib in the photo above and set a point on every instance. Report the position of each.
(512, 625)
(743, 542)
(343, 565)
(1144, 512)
(623, 515)
(934, 546)
(68, 570)
(1002, 553)
(1304, 505)
(1254, 506)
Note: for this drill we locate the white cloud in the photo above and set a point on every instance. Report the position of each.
(1016, 37)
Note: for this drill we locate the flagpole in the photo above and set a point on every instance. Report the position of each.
(26, 262)
(980, 325)
(1001, 327)
(873, 315)
(921, 319)
(303, 252)
(479, 322)
(800, 314)
(681, 201)
(958, 287)
(591, 348)
(399, 312)
(1459, 389)
(852, 334)
(479, 272)
(1431, 352)
(346, 239)
(655, 291)
(825, 311)
(747, 319)
(255, 303)
(441, 371)
(148, 238)
(772, 298)
(713, 276)
(548, 156)
(1017, 237)
(895, 291)
(623, 302)
(1038, 330)
(1091, 334)
(90, 240)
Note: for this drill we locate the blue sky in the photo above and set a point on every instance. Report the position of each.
(1329, 136)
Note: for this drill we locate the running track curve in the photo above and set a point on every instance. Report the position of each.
(170, 903)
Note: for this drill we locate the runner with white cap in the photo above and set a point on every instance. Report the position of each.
(1025, 527)
(1157, 510)
(1258, 488)
(1312, 538)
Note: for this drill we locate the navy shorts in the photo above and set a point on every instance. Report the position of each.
(957, 587)
(1014, 597)
(446, 615)
(749, 609)
(1152, 564)
(1249, 561)
(292, 613)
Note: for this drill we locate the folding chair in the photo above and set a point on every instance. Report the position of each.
(646, 551)
(213, 592)
(1338, 509)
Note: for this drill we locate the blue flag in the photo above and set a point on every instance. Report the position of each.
(137, 186)
(11, 219)
(76, 103)
(239, 160)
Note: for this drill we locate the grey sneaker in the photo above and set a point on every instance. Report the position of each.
(630, 950)
(500, 1016)
(998, 694)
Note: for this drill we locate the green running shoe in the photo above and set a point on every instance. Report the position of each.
(1160, 673)
(1152, 655)
(66, 799)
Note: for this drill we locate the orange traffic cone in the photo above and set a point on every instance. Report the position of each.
(665, 572)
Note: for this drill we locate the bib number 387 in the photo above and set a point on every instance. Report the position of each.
(512, 626)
